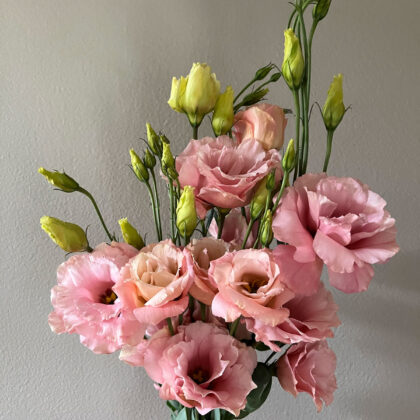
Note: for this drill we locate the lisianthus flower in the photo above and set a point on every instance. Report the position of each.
(203, 252)
(154, 284)
(263, 122)
(341, 222)
(223, 173)
(249, 284)
(310, 368)
(311, 319)
(201, 366)
(85, 304)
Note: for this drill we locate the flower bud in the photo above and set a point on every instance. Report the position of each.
(168, 161)
(293, 64)
(60, 180)
(266, 230)
(177, 91)
(153, 140)
(321, 9)
(271, 181)
(149, 159)
(68, 236)
(263, 72)
(275, 77)
(223, 113)
(289, 157)
(130, 235)
(186, 215)
(259, 200)
(334, 110)
(254, 97)
(138, 167)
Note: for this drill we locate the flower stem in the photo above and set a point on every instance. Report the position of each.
(170, 326)
(243, 90)
(98, 212)
(283, 186)
(220, 224)
(171, 199)
(155, 217)
(272, 354)
(234, 326)
(330, 136)
(298, 147)
(157, 205)
(248, 232)
(195, 132)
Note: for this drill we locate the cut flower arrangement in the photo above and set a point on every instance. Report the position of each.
(250, 232)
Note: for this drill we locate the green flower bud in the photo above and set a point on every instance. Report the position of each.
(257, 205)
(60, 180)
(223, 112)
(271, 181)
(293, 63)
(321, 9)
(254, 97)
(164, 139)
(68, 236)
(153, 140)
(138, 167)
(289, 157)
(275, 77)
(334, 110)
(263, 72)
(186, 215)
(168, 161)
(266, 230)
(149, 159)
(130, 235)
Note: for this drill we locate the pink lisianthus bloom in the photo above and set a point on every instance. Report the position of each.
(263, 122)
(201, 366)
(85, 304)
(234, 229)
(341, 222)
(154, 284)
(309, 367)
(203, 252)
(249, 284)
(223, 173)
(311, 319)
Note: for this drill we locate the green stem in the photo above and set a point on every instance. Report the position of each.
(170, 326)
(298, 147)
(330, 136)
(98, 212)
(157, 205)
(220, 224)
(305, 124)
(195, 132)
(248, 232)
(243, 90)
(283, 186)
(155, 217)
(234, 326)
(171, 199)
(272, 354)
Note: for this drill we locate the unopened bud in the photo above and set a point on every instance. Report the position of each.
(153, 140)
(223, 113)
(186, 214)
(263, 72)
(149, 159)
(68, 236)
(275, 77)
(138, 167)
(130, 235)
(289, 157)
(60, 180)
(334, 109)
(293, 64)
(266, 229)
(271, 181)
(321, 9)
(254, 97)
(259, 200)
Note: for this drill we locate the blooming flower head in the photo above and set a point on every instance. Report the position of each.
(339, 221)
(201, 366)
(223, 173)
(155, 283)
(263, 122)
(310, 368)
(249, 284)
(85, 304)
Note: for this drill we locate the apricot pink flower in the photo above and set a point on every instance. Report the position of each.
(154, 284)
(341, 222)
(223, 173)
(201, 366)
(311, 319)
(263, 122)
(249, 284)
(85, 304)
(310, 368)
(204, 251)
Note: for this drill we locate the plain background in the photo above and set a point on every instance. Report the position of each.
(79, 79)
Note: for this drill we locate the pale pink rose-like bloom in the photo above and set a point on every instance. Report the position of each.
(234, 229)
(263, 122)
(223, 173)
(311, 319)
(201, 366)
(341, 222)
(249, 284)
(85, 304)
(203, 252)
(309, 367)
(154, 284)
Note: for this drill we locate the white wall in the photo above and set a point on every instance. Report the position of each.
(78, 81)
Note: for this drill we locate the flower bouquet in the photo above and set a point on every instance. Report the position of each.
(233, 297)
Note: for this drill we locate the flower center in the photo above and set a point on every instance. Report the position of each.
(199, 376)
(253, 282)
(108, 298)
